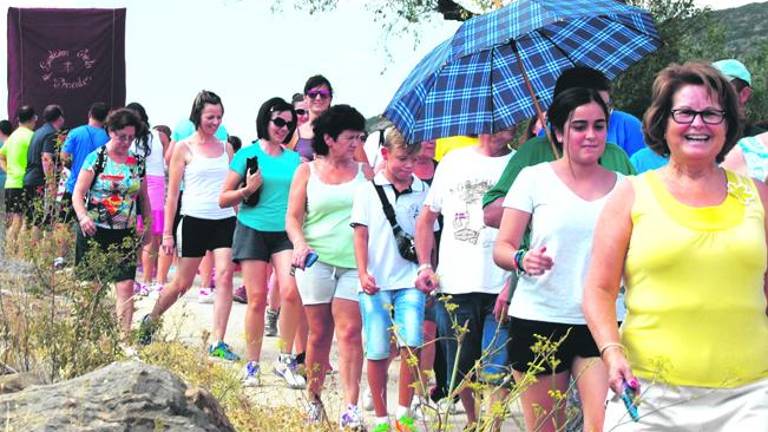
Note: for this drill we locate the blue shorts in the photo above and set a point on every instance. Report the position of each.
(377, 310)
(484, 339)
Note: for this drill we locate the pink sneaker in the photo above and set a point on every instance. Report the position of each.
(205, 295)
(140, 289)
(240, 295)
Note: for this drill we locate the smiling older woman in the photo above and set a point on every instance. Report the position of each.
(112, 180)
(689, 240)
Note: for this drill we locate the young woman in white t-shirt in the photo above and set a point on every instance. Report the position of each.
(561, 200)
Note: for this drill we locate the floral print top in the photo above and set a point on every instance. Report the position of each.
(112, 199)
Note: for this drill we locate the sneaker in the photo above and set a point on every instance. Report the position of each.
(452, 407)
(421, 409)
(368, 400)
(155, 289)
(270, 327)
(382, 427)
(252, 374)
(315, 412)
(351, 419)
(140, 289)
(405, 424)
(146, 330)
(58, 263)
(205, 295)
(286, 369)
(240, 295)
(223, 351)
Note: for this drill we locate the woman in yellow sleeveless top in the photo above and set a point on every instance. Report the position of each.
(689, 240)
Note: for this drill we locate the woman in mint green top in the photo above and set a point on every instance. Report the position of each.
(261, 194)
(319, 210)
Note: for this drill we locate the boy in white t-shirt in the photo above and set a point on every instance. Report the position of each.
(388, 298)
(466, 272)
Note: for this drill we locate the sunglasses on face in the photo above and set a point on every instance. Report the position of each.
(279, 122)
(301, 112)
(323, 94)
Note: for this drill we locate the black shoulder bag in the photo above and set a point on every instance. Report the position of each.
(405, 243)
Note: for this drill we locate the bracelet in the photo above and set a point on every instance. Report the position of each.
(422, 268)
(519, 255)
(612, 345)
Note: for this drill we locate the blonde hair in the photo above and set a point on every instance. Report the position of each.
(394, 140)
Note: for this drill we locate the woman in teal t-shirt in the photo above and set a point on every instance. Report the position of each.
(260, 239)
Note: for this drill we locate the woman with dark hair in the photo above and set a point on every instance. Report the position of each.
(318, 224)
(562, 199)
(149, 145)
(202, 162)
(258, 181)
(301, 107)
(110, 184)
(318, 95)
(689, 242)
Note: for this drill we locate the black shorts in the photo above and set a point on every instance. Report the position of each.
(579, 343)
(196, 236)
(14, 200)
(251, 244)
(34, 206)
(121, 267)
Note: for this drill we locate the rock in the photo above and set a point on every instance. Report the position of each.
(19, 381)
(124, 396)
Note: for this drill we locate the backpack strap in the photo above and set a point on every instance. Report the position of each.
(387, 207)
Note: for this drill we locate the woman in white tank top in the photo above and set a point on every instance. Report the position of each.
(202, 161)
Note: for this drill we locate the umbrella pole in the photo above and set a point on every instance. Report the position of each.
(539, 111)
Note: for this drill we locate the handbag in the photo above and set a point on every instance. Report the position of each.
(405, 242)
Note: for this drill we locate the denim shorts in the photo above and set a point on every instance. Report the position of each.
(377, 310)
(485, 338)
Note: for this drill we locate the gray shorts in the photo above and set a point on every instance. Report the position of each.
(322, 282)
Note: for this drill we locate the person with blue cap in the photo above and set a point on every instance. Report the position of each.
(750, 155)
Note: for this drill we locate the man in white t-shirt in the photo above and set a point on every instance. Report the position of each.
(466, 271)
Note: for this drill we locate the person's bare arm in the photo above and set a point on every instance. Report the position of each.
(3, 162)
(734, 161)
(493, 212)
(84, 181)
(294, 216)
(175, 173)
(762, 189)
(426, 279)
(603, 281)
(360, 241)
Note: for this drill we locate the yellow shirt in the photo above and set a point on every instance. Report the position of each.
(445, 145)
(696, 309)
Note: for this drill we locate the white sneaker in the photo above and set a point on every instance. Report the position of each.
(286, 368)
(251, 374)
(205, 295)
(351, 419)
(421, 408)
(368, 400)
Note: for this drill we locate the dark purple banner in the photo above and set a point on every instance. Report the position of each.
(71, 57)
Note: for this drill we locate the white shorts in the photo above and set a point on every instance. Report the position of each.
(668, 408)
(322, 282)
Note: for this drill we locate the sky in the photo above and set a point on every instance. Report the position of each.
(247, 53)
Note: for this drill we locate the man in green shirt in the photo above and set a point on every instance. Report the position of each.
(13, 160)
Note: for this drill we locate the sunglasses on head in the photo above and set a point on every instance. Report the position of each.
(301, 111)
(279, 122)
(322, 93)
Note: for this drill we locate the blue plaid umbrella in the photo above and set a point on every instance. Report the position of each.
(488, 75)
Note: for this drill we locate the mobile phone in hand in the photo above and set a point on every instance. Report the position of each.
(251, 166)
(629, 396)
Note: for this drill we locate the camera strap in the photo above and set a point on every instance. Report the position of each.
(389, 212)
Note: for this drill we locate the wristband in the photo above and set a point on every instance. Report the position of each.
(519, 255)
(612, 345)
(422, 268)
